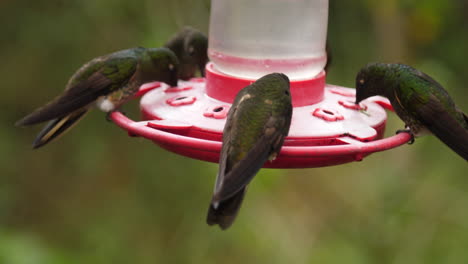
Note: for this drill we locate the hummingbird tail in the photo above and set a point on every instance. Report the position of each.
(226, 211)
(57, 127)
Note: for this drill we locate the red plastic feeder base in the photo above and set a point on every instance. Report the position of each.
(327, 128)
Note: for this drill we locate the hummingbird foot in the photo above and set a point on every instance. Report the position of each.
(407, 130)
(108, 117)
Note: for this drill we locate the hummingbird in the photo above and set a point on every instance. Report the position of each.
(420, 101)
(257, 124)
(105, 82)
(191, 48)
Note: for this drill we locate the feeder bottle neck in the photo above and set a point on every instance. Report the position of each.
(251, 38)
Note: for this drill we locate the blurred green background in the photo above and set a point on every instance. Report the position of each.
(98, 196)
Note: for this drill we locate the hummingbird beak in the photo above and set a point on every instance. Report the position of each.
(362, 90)
(174, 77)
(173, 82)
(201, 67)
(358, 100)
(359, 92)
(360, 95)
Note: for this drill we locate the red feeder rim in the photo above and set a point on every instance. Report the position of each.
(289, 157)
(204, 143)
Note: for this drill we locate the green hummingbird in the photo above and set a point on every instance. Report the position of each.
(421, 102)
(257, 123)
(191, 48)
(105, 82)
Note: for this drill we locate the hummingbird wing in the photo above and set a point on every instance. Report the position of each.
(240, 174)
(231, 185)
(436, 118)
(224, 213)
(232, 180)
(443, 125)
(111, 75)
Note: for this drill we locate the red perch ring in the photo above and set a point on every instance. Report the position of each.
(189, 119)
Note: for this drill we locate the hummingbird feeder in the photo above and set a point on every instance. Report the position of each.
(248, 39)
